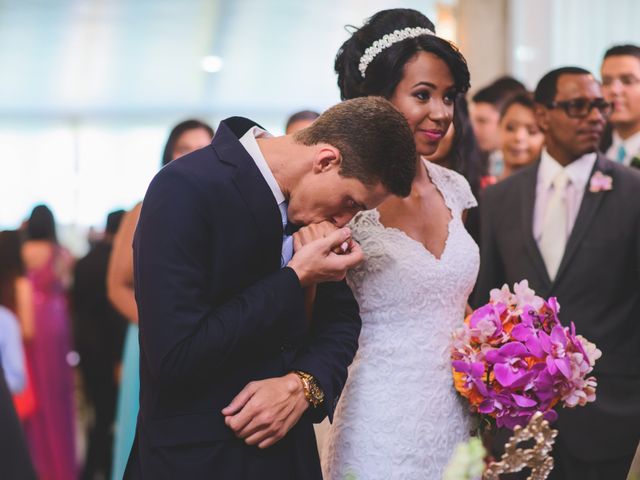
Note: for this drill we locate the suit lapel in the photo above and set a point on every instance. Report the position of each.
(590, 204)
(528, 192)
(254, 190)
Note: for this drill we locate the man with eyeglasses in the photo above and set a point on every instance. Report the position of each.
(570, 226)
(621, 85)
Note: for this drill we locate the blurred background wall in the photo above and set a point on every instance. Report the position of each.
(90, 88)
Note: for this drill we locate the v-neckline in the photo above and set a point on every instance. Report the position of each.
(449, 223)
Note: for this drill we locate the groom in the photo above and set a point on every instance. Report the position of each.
(232, 371)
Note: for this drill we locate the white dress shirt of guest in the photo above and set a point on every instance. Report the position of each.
(624, 151)
(578, 172)
(621, 85)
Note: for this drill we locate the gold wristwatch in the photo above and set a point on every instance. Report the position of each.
(312, 391)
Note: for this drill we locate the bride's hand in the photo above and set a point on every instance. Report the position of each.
(314, 231)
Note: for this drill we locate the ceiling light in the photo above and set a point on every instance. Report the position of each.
(211, 63)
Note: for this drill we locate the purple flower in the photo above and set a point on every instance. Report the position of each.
(556, 347)
(474, 373)
(486, 322)
(509, 365)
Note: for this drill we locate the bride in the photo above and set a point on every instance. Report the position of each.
(399, 416)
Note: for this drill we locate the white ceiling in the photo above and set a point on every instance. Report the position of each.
(128, 57)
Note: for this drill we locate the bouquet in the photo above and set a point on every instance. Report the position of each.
(513, 358)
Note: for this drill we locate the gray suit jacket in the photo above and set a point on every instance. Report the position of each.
(597, 286)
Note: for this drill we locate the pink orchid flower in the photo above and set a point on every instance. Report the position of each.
(600, 182)
(525, 296)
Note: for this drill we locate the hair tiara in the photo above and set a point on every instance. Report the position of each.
(388, 40)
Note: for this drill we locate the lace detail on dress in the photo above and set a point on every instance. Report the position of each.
(399, 416)
(454, 185)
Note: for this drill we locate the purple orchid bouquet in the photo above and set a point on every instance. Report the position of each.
(513, 358)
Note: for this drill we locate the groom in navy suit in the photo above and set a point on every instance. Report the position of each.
(233, 370)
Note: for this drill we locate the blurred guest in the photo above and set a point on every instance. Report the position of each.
(99, 334)
(567, 225)
(459, 151)
(484, 109)
(11, 353)
(16, 295)
(15, 463)
(621, 85)
(300, 120)
(520, 137)
(185, 137)
(50, 430)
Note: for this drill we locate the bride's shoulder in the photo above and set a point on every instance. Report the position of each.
(453, 184)
(444, 174)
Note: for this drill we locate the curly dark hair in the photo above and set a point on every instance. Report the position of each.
(385, 71)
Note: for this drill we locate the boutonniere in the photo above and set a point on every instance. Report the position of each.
(635, 162)
(600, 182)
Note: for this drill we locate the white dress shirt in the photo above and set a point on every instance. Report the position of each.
(631, 146)
(250, 144)
(579, 173)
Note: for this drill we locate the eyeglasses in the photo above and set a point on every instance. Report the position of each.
(581, 107)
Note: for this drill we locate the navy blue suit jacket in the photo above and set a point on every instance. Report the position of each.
(217, 312)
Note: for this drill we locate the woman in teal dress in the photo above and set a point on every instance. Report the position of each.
(186, 137)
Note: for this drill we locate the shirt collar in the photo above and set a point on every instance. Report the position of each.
(250, 144)
(578, 171)
(631, 144)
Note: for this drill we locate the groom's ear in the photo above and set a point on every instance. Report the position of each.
(327, 157)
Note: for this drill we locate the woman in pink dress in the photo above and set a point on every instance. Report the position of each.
(50, 430)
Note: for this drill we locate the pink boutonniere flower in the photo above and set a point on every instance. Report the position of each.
(600, 182)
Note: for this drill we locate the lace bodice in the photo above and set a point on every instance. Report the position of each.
(399, 416)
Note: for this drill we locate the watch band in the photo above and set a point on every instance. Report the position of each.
(312, 391)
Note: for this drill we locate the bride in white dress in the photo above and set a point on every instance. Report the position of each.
(399, 416)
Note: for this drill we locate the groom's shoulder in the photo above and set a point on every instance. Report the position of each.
(199, 173)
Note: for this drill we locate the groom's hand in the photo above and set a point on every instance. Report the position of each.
(316, 261)
(265, 410)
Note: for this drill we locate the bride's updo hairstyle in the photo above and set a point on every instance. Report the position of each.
(385, 71)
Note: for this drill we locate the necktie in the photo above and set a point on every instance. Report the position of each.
(554, 226)
(287, 240)
(622, 152)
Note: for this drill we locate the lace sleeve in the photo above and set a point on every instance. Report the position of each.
(466, 199)
(455, 186)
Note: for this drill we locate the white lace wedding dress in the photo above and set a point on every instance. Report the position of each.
(399, 416)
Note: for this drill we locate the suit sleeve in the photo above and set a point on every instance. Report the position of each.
(333, 343)
(491, 270)
(182, 334)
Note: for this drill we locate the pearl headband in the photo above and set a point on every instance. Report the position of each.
(388, 40)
